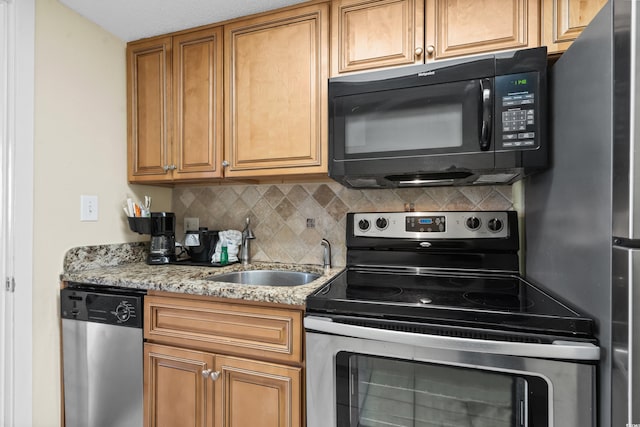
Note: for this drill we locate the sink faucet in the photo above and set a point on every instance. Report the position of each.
(247, 235)
(326, 256)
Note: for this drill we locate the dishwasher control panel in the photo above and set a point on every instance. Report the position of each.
(109, 306)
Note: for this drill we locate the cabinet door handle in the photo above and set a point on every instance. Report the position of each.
(165, 168)
(225, 163)
(173, 167)
(215, 375)
(205, 373)
(430, 49)
(419, 51)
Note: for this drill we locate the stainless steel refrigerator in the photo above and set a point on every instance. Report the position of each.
(582, 216)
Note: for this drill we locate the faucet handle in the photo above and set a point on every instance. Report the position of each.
(326, 256)
(247, 233)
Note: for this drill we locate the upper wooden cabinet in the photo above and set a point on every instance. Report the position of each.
(276, 69)
(198, 114)
(259, 106)
(466, 27)
(175, 107)
(564, 20)
(148, 100)
(369, 34)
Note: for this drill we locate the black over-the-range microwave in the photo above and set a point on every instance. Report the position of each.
(479, 120)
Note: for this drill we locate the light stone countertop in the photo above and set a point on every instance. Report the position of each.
(124, 266)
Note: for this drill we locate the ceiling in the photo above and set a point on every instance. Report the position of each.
(136, 19)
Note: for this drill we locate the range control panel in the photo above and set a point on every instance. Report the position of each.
(432, 225)
(517, 98)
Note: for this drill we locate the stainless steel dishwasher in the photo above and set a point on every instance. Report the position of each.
(102, 356)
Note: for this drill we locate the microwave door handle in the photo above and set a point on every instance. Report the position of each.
(487, 108)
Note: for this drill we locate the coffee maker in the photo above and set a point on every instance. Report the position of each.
(162, 228)
(163, 238)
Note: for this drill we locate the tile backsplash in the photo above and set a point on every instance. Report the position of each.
(289, 220)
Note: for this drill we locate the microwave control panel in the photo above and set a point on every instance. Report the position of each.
(517, 109)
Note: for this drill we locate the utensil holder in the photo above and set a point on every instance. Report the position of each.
(140, 225)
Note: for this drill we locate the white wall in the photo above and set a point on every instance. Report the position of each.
(80, 148)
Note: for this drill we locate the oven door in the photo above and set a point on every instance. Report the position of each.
(363, 377)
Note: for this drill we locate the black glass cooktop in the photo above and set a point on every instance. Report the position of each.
(480, 300)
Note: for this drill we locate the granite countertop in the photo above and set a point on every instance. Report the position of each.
(124, 266)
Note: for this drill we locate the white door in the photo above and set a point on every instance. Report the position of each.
(16, 189)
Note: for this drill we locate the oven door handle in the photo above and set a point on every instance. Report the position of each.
(567, 350)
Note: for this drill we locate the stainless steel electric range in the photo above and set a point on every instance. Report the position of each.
(430, 324)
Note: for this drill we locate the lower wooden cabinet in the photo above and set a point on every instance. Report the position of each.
(257, 394)
(177, 393)
(186, 388)
(212, 363)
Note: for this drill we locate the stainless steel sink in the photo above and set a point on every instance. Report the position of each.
(266, 277)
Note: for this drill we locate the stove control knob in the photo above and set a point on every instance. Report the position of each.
(495, 225)
(382, 223)
(364, 224)
(473, 223)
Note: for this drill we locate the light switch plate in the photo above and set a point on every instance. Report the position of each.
(88, 208)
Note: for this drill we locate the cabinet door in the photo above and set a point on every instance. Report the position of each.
(257, 394)
(198, 114)
(148, 100)
(465, 27)
(564, 20)
(368, 34)
(176, 391)
(276, 69)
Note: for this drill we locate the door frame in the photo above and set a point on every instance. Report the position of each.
(17, 98)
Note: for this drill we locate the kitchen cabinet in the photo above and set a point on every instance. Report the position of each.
(175, 108)
(380, 33)
(276, 70)
(223, 364)
(148, 98)
(177, 386)
(564, 20)
(257, 394)
(466, 27)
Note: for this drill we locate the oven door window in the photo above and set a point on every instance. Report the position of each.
(422, 120)
(375, 391)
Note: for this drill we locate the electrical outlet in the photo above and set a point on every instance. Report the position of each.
(88, 208)
(191, 224)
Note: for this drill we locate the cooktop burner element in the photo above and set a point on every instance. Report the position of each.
(464, 273)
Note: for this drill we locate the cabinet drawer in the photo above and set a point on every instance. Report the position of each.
(235, 329)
